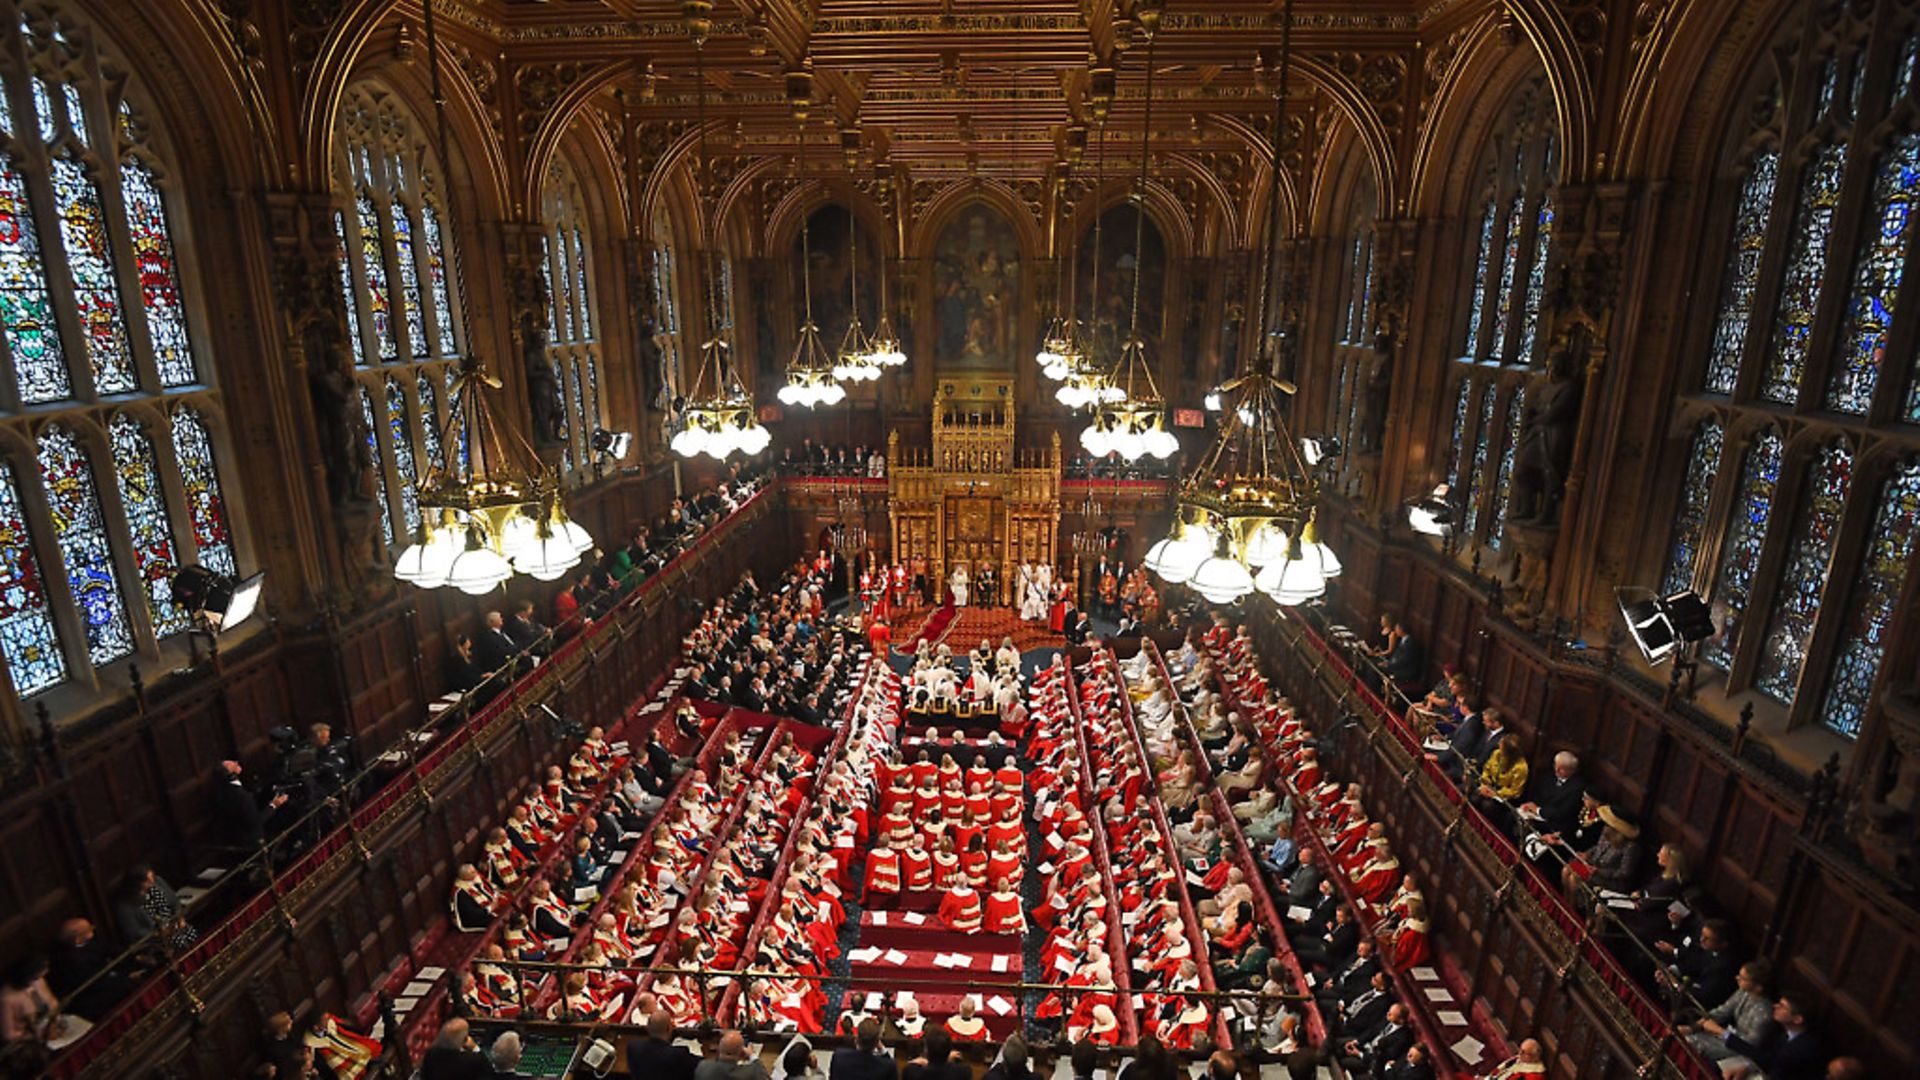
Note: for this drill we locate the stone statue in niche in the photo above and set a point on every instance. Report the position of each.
(543, 389)
(335, 424)
(1545, 450)
(653, 369)
(1379, 390)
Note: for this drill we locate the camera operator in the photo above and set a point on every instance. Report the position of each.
(242, 817)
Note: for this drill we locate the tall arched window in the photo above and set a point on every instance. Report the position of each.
(108, 476)
(1353, 352)
(573, 347)
(666, 301)
(1811, 318)
(399, 287)
(1504, 262)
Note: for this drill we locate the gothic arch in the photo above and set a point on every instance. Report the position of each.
(1683, 96)
(484, 174)
(562, 119)
(1168, 216)
(955, 198)
(1486, 81)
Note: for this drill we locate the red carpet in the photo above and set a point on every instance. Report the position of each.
(994, 623)
(933, 629)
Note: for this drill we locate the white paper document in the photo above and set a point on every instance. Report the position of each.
(1469, 1049)
(1299, 914)
(999, 1005)
(895, 957)
(879, 917)
(417, 988)
(432, 972)
(913, 918)
(1451, 1018)
(864, 956)
(1426, 974)
(1000, 963)
(1438, 993)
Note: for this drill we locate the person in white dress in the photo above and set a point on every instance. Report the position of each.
(1033, 599)
(958, 583)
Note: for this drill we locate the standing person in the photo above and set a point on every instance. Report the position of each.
(453, 1056)
(864, 1060)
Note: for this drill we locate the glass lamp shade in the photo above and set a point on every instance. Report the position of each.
(831, 393)
(1221, 580)
(1055, 369)
(1292, 581)
(566, 529)
(691, 440)
(1159, 442)
(479, 569)
(547, 558)
(519, 533)
(1175, 558)
(1329, 563)
(1265, 544)
(1096, 439)
(795, 393)
(426, 564)
(1128, 443)
(1211, 401)
(752, 438)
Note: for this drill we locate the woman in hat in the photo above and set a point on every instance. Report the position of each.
(1610, 862)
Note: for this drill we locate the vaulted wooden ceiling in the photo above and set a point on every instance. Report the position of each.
(997, 87)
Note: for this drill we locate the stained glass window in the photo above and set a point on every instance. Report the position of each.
(1462, 402)
(1509, 263)
(558, 365)
(74, 505)
(1477, 471)
(1353, 288)
(76, 114)
(27, 635)
(1366, 294)
(580, 400)
(43, 112)
(1902, 83)
(373, 263)
(593, 385)
(563, 299)
(400, 425)
(1806, 271)
(378, 466)
(159, 283)
(1477, 303)
(1878, 269)
(1746, 537)
(193, 452)
(145, 501)
(580, 286)
(1536, 280)
(437, 278)
(1690, 522)
(1742, 272)
(39, 364)
(1796, 602)
(429, 417)
(409, 270)
(553, 298)
(1503, 476)
(1335, 408)
(346, 292)
(83, 234)
(1870, 604)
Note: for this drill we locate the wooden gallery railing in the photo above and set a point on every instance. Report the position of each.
(1568, 968)
(589, 676)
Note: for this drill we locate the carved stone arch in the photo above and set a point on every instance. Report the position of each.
(1454, 151)
(338, 68)
(1562, 48)
(1686, 133)
(951, 200)
(475, 184)
(680, 160)
(1223, 230)
(1319, 72)
(1254, 224)
(1344, 174)
(596, 169)
(1163, 209)
(183, 80)
(733, 209)
(1686, 71)
(560, 121)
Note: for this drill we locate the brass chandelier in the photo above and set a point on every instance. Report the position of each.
(1129, 415)
(717, 416)
(489, 507)
(1245, 517)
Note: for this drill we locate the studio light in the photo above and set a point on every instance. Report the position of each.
(612, 445)
(217, 601)
(1663, 625)
(1433, 514)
